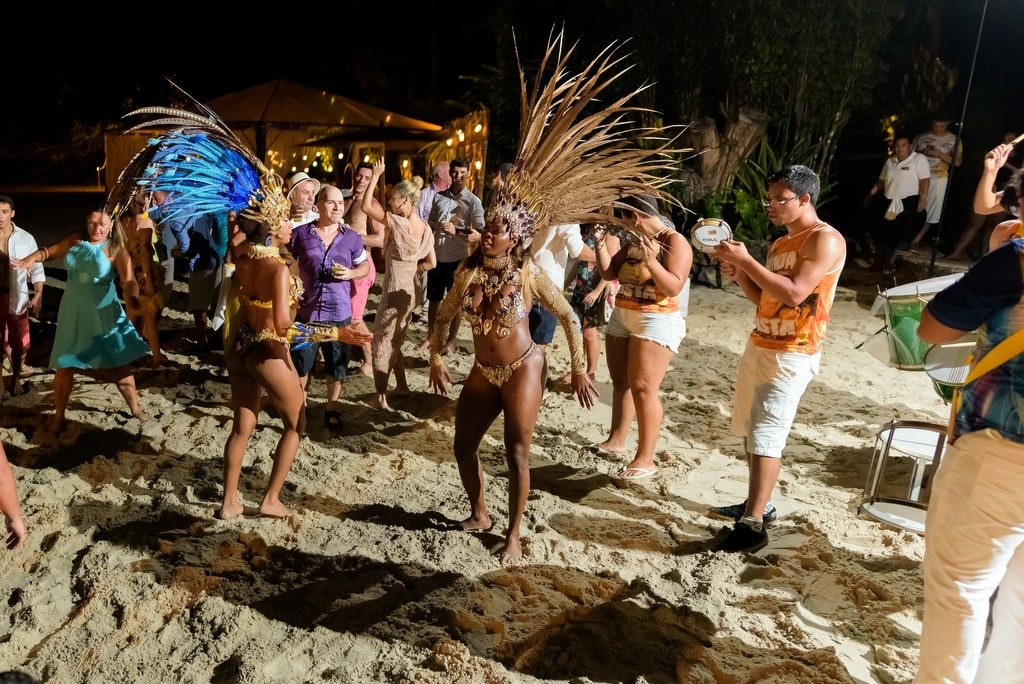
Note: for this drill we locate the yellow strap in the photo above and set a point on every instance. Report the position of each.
(1000, 354)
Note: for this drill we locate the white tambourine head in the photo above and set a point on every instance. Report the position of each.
(707, 233)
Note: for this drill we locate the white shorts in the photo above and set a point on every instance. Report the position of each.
(666, 329)
(769, 385)
(933, 203)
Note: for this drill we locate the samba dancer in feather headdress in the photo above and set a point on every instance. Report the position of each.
(571, 162)
(206, 169)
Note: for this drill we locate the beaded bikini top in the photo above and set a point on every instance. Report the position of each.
(496, 283)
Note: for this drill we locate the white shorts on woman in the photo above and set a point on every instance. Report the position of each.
(666, 329)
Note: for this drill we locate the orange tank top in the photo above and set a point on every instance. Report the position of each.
(637, 290)
(801, 328)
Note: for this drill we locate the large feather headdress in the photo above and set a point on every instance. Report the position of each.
(203, 164)
(573, 160)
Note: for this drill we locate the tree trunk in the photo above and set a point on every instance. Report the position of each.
(720, 157)
(704, 134)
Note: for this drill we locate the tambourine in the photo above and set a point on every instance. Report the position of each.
(708, 232)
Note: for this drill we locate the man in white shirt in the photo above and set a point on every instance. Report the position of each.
(457, 217)
(905, 183)
(440, 181)
(301, 192)
(551, 249)
(15, 301)
(937, 147)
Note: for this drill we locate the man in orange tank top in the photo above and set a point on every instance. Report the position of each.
(793, 293)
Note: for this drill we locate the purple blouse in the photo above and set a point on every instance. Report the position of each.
(325, 299)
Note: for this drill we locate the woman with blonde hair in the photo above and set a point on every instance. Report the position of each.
(408, 251)
(94, 336)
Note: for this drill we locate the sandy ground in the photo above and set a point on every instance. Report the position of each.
(126, 575)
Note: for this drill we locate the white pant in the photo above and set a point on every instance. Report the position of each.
(974, 543)
(933, 204)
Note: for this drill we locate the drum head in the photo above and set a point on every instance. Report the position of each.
(904, 516)
(708, 232)
(948, 364)
(923, 288)
(913, 441)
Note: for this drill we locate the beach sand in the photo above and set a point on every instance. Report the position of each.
(126, 575)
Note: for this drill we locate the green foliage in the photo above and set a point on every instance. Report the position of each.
(740, 204)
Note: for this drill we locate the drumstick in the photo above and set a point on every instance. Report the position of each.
(1017, 139)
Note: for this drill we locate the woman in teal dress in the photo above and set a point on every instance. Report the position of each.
(94, 336)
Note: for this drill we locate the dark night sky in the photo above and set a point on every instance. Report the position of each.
(406, 60)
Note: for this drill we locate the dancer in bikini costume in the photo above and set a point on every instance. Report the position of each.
(556, 179)
(206, 169)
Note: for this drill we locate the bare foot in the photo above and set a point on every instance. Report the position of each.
(449, 348)
(401, 392)
(565, 379)
(157, 360)
(474, 524)
(379, 401)
(229, 510)
(141, 415)
(512, 554)
(55, 426)
(366, 369)
(606, 447)
(275, 510)
(424, 345)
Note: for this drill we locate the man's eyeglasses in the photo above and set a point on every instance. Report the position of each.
(767, 204)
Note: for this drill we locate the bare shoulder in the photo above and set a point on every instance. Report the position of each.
(828, 248)
(826, 241)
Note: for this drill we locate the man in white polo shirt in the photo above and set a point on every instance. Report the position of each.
(551, 250)
(904, 184)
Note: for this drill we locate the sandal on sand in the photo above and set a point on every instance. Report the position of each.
(333, 420)
(630, 474)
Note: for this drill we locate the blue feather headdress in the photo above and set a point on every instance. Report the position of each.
(203, 165)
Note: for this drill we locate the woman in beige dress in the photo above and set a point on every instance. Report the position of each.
(408, 251)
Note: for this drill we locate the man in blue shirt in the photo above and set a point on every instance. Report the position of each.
(974, 540)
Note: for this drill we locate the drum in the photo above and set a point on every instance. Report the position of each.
(948, 364)
(906, 452)
(708, 232)
(902, 307)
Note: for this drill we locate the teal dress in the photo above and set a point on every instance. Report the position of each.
(92, 329)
